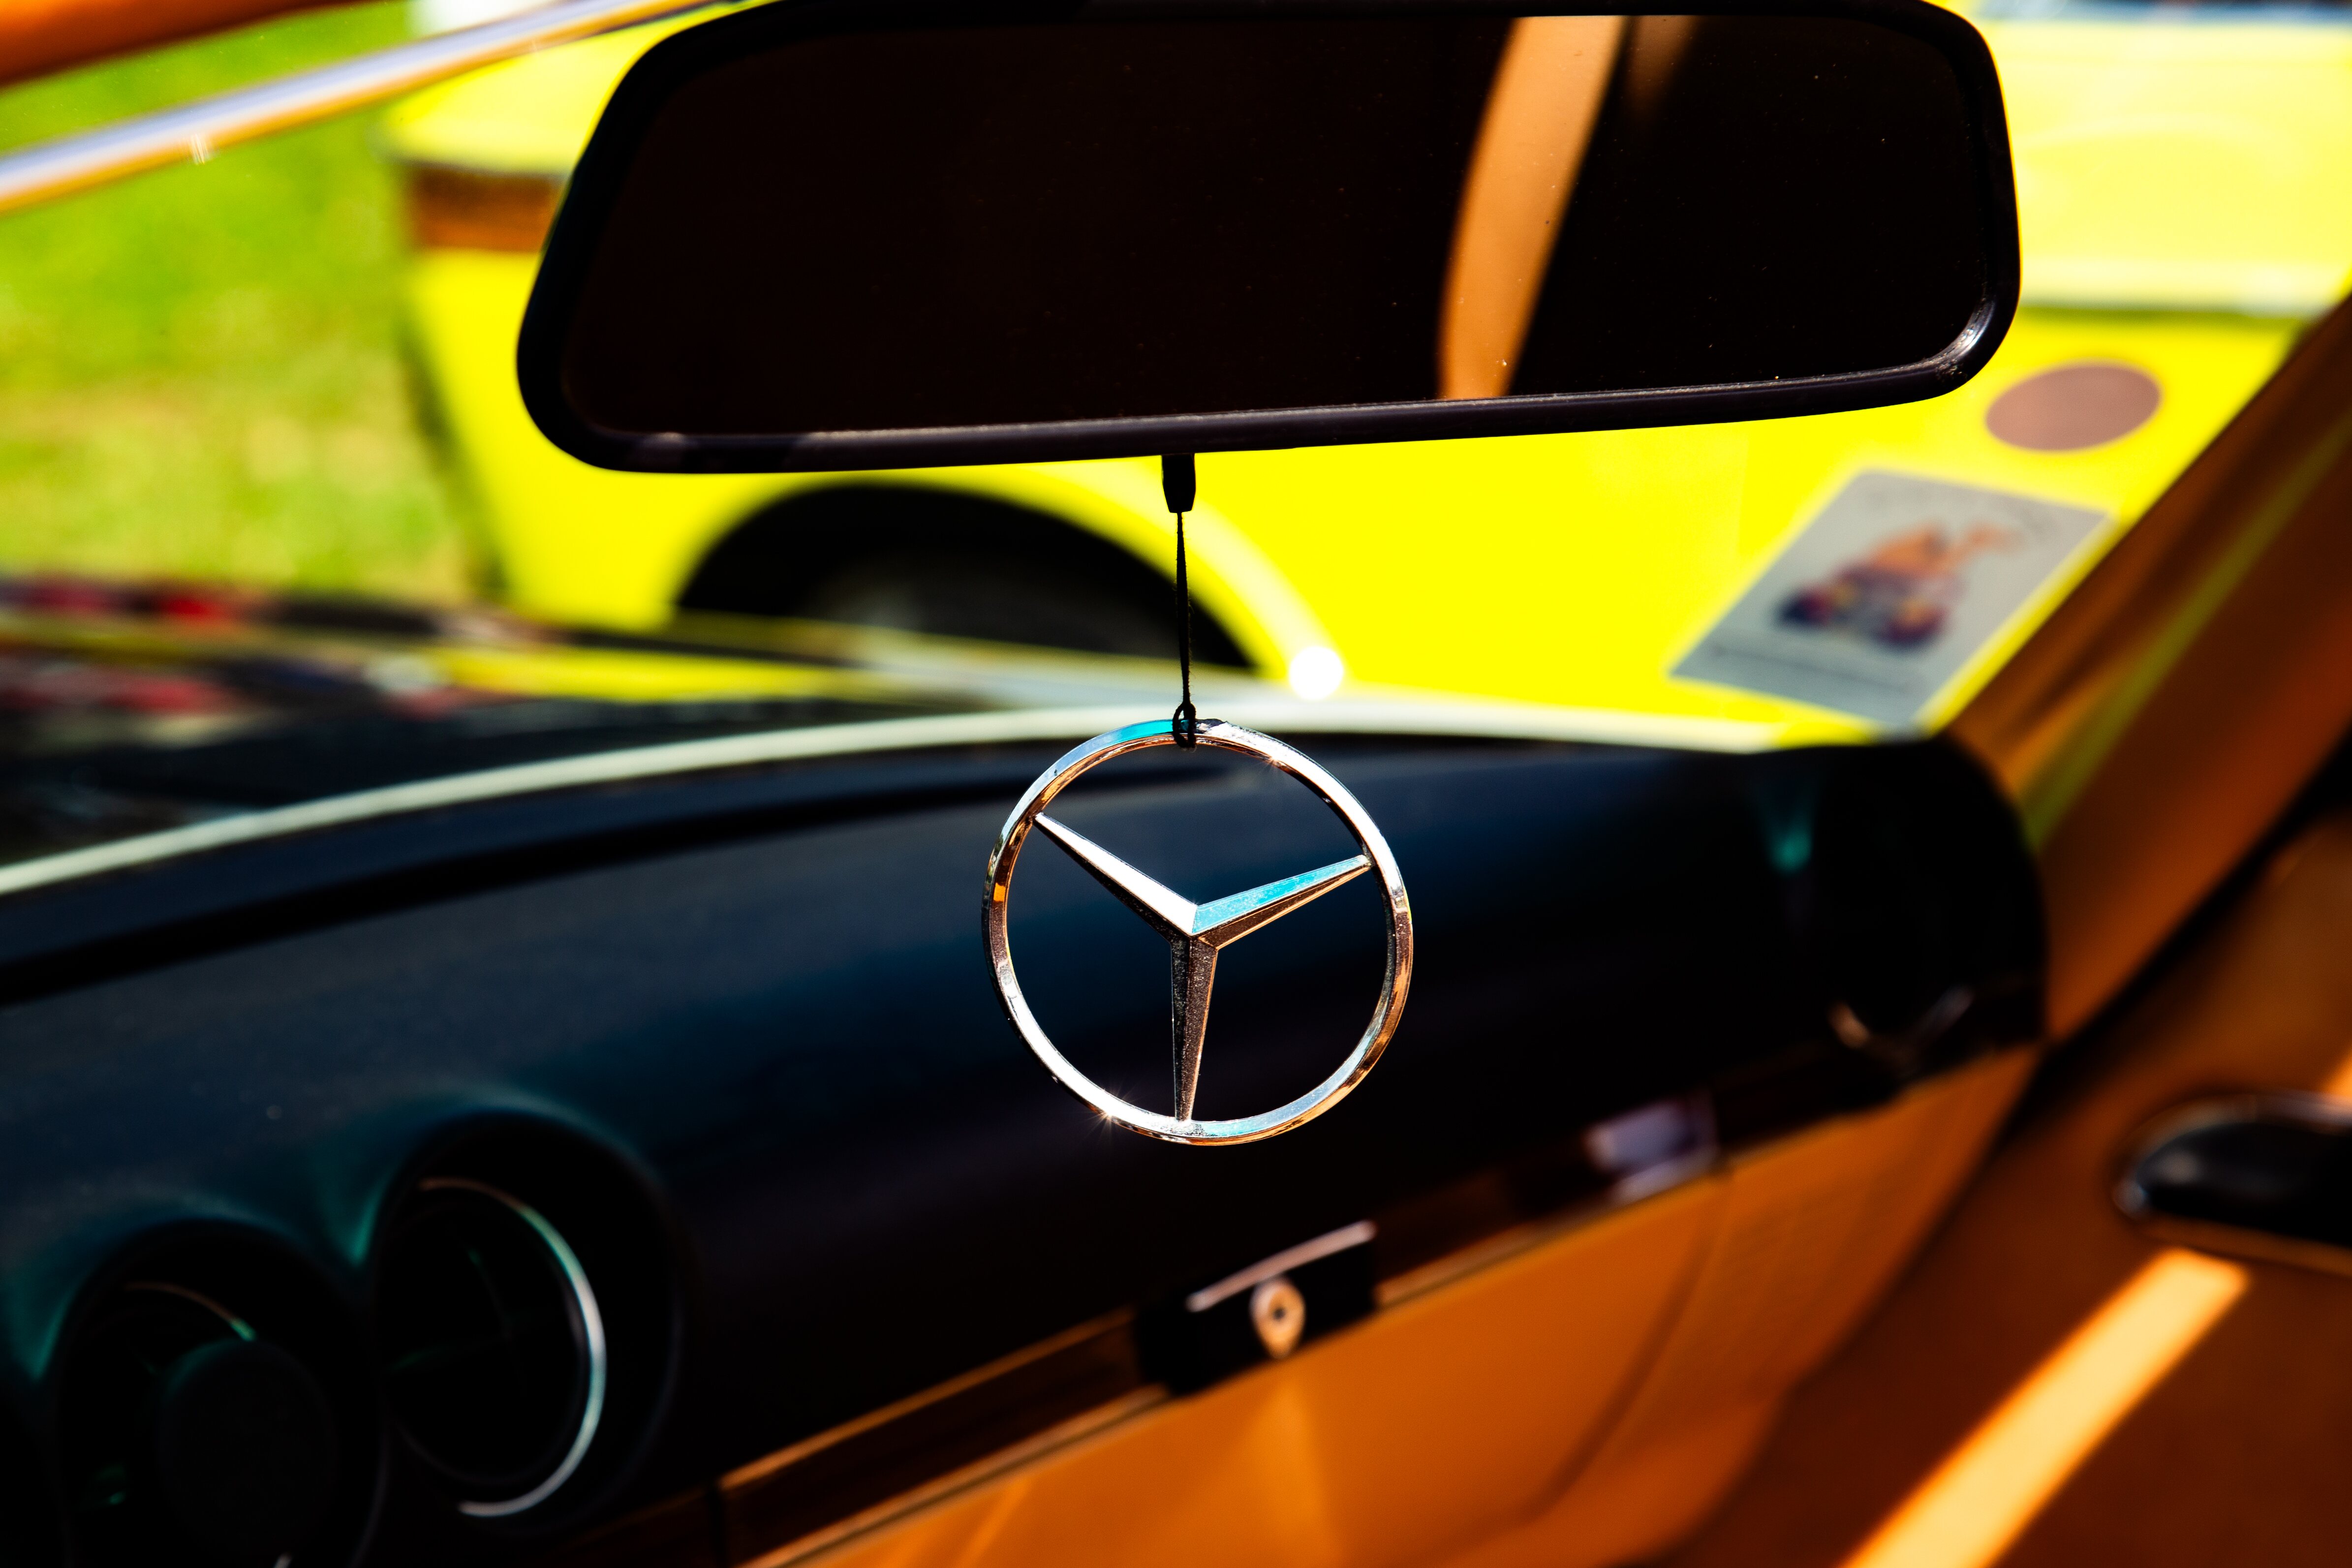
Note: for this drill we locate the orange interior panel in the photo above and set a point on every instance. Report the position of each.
(2235, 1454)
(1645, 1351)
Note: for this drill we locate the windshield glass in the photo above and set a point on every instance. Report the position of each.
(278, 526)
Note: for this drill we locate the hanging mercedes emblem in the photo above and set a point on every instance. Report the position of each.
(1197, 933)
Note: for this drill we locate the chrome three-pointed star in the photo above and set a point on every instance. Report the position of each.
(1196, 932)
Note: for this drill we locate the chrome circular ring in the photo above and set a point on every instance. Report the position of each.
(1386, 1011)
(591, 1329)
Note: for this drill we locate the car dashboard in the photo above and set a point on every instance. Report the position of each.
(642, 1169)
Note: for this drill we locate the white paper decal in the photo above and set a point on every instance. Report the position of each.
(1888, 594)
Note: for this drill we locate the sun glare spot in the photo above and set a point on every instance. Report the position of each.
(1315, 673)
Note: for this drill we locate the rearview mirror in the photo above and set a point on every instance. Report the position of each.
(851, 233)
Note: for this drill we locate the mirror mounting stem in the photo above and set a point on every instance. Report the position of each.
(1179, 484)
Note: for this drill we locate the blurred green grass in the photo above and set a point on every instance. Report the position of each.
(200, 368)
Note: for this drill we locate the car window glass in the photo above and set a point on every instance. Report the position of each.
(278, 525)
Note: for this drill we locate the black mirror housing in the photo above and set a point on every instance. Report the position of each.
(862, 234)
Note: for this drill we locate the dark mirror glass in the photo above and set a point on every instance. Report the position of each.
(790, 233)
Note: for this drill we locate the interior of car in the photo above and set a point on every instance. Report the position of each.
(628, 1083)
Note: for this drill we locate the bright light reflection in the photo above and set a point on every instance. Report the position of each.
(1985, 1493)
(1315, 673)
(2340, 1083)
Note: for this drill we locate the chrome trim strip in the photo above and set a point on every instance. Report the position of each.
(196, 133)
(1282, 1262)
(1498, 721)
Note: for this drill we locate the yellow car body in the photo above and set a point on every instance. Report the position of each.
(2185, 186)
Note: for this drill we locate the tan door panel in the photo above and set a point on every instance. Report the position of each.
(1438, 1419)
(1641, 1356)
(1815, 1231)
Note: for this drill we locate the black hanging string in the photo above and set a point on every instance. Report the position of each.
(1177, 483)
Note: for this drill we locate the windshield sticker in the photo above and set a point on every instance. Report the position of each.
(1888, 593)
